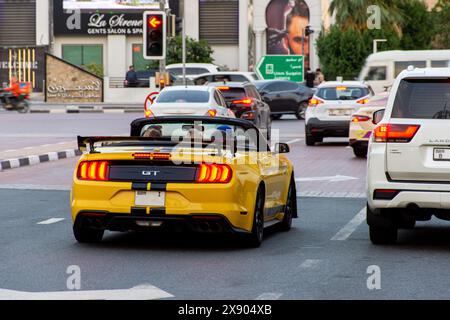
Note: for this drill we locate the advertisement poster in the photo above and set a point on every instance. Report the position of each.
(286, 21)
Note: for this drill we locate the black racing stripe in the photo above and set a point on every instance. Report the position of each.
(62, 155)
(24, 162)
(44, 158)
(161, 187)
(6, 165)
(158, 211)
(139, 186)
(139, 212)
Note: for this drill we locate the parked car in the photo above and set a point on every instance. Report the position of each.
(246, 103)
(330, 110)
(192, 69)
(144, 79)
(225, 76)
(284, 97)
(408, 176)
(363, 122)
(190, 100)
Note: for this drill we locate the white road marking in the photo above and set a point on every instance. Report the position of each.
(310, 264)
(142, 292)
(347, 231)
(336, 178)
(269, 296)
(51, 221)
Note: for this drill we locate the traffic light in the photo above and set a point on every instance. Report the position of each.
(155, 35)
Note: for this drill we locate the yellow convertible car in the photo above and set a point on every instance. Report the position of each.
(195, 174)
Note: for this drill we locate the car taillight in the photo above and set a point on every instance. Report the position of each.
(212, 113)
(363, 101)
(214, 173)
(245, 102)
(149, 114)
(315, 102)
(357, 118)
(248, 116)
(93, 171)
(395, 132)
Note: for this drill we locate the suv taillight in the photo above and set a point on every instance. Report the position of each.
(401, 133)
(93, 171)
(214, 173)
(315, 102)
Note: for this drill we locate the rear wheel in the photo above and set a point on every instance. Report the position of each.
(286, 224)
(300, 113)
(255, 238)
(360, 152)
(87, 235)
(310, 140)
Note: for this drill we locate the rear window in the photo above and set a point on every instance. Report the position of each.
(342, 93)
(423, 99)
(183, 96)
(189, 71)
(233, 94)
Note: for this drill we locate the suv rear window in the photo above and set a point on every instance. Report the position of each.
(423, 99)
(342, 93)
(233, 94)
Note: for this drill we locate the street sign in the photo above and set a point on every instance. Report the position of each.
(281, 67)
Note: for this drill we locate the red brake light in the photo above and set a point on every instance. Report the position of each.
(395, 132)
(363, 101)
(223, 88)
(357, 118)
(152, 156)
(214, 173)
(93, 171)
(315, 102)
(246, 101)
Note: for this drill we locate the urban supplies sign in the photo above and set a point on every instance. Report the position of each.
(281, 67)
(96, 22)
(67, 83)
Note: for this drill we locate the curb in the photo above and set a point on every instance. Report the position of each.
(32, 160)
(77, 111)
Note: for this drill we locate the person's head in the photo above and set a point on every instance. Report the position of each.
(131, 68)
(319, 70)
(296, 22)
(153, 132)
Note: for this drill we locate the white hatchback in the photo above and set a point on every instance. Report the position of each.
(330, 110)
(188, 101)
(408, 176)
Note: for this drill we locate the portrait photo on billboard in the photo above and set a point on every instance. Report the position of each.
(286, 24)
(119, 5)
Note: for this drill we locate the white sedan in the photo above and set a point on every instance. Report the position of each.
(190, 100)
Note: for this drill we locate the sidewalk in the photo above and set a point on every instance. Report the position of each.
(42, 107)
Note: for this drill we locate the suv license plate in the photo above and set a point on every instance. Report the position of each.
(340, 112)
(441, 154)
(150, 198)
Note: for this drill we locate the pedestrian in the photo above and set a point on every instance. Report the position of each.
(319, 77)
(131, 78)
(310, 78)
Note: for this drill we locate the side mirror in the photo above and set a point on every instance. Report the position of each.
(281, 148)
(378, 116)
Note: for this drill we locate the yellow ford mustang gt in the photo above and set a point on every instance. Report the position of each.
(183, 174)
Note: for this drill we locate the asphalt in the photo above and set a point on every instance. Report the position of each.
(301, 264)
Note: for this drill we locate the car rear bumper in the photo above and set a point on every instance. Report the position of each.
(140, 221)
(327, 128)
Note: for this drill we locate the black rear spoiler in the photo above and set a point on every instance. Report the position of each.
(86, 144)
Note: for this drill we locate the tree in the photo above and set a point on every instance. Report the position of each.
(353, 14)
(418, 27)
(441, 14)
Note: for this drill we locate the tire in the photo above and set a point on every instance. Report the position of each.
(255, 238)
(360, 152)
(23, 107)
(310, 140)
(286, 224)
(382, 235)
(87, 235)
(276, 116)
(300, 114)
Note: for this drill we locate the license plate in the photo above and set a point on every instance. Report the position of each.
(340, 112)
(150, 199)
(441, 154)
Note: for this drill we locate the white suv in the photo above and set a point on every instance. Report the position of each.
(330, 110)
(408, 174)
